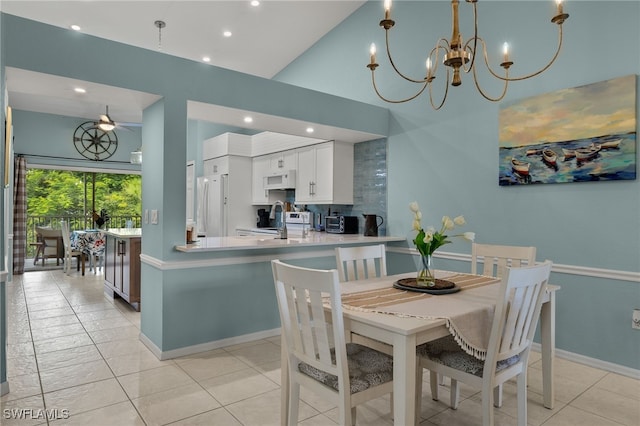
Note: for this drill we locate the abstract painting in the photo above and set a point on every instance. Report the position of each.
(581, 134)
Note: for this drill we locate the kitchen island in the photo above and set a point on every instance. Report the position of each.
(219, 291)
(122, 264)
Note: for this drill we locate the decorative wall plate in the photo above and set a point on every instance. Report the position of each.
(94, 143)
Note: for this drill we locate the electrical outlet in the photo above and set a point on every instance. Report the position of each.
(635, 323)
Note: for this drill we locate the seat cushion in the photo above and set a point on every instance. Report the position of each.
(446, 351)
(367, 368)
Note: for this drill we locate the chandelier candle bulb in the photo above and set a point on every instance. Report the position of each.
(505, 50)
(372, 51)
(387, 9)
(559, 4)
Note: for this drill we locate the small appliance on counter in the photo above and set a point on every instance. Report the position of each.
(297, 222)
(263, 219)
(341, 224)
(371, 224)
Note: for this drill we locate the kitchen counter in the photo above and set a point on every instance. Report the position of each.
(124, 232)
(262, 242)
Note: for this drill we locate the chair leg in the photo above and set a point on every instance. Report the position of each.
(522, 398)
(433, 379)
(294, 402)
(353, 416)
(497, 396)
(455, 394)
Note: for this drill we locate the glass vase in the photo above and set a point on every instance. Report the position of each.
(426, 276)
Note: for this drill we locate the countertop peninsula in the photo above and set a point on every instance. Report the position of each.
(262, 242)
(124, 232)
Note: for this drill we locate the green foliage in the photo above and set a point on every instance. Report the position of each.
(62, 193)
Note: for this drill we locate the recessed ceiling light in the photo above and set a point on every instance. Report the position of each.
(206, 59)
(255, 3)
(227, 33)
(75, 27)
(248, 119)
(309, 129)
(79, 90)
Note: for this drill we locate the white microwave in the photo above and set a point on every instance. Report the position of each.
(281, 179)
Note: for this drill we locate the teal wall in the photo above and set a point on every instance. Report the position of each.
(447, 160)
(167, 136)
(3, 231)
(47, 139)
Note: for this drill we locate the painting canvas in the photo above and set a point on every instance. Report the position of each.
(581, 134)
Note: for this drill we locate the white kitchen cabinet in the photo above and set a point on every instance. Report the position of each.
(226, 144)
(260, 167)
(325, 174)
(216, 166)
(286, 160)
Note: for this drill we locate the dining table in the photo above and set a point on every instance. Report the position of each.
(90, 242)
(376, 309)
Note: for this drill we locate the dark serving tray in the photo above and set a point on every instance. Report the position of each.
(441, 287)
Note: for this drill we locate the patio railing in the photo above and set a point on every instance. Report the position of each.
(75, 223)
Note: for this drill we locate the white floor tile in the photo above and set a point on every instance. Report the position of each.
(175, 404)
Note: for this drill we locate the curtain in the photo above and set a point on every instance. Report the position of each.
(19, 214)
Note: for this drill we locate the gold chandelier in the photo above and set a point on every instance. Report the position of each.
(458, 55)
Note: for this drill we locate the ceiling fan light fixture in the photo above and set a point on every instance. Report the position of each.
(136, 156)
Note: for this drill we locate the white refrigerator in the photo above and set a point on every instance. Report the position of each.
(212, 211)
(224, 202)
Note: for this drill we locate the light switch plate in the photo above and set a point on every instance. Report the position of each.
(146, 216)
(154, 217)
(636, 319)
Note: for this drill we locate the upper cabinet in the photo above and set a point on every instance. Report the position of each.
(286, 160)
(216, 166)
(226, 144)
(325, 174)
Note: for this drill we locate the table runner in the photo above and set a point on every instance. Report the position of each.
(468, 314)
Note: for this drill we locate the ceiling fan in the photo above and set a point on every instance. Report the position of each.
(106, 123)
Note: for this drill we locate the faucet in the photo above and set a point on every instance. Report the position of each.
(282, 231)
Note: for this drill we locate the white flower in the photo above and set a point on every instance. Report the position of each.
(418, 215)
(447, 222)
(428, 237)
(459, 220)
(414, 207)
(469, 236)
(416, 225)
(431, 230)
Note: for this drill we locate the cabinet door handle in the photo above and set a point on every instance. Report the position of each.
(215, 169)
(122, 248)
(280, 163)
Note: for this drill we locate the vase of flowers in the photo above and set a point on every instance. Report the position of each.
(427, 241)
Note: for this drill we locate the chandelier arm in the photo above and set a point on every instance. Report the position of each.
(524, 77)
(392, 101)
(444, 98)
(424, 80)
(484, 95)
(475, 38)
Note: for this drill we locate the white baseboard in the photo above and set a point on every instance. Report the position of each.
(4, 388)
(203, 347)
(593, 362)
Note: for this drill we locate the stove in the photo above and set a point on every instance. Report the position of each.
(296, 221)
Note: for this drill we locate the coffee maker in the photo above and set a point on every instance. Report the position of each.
(263, 218)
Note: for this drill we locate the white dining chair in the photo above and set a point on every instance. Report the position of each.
(360, 263)
(496, 258)
(318, 356)
(514, 323)
(69, 251)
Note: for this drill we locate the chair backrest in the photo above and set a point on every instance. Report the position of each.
(50, 237)
(301, 293)
(66, 237)
(359, 263)
(496, 258)
(516, 313)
